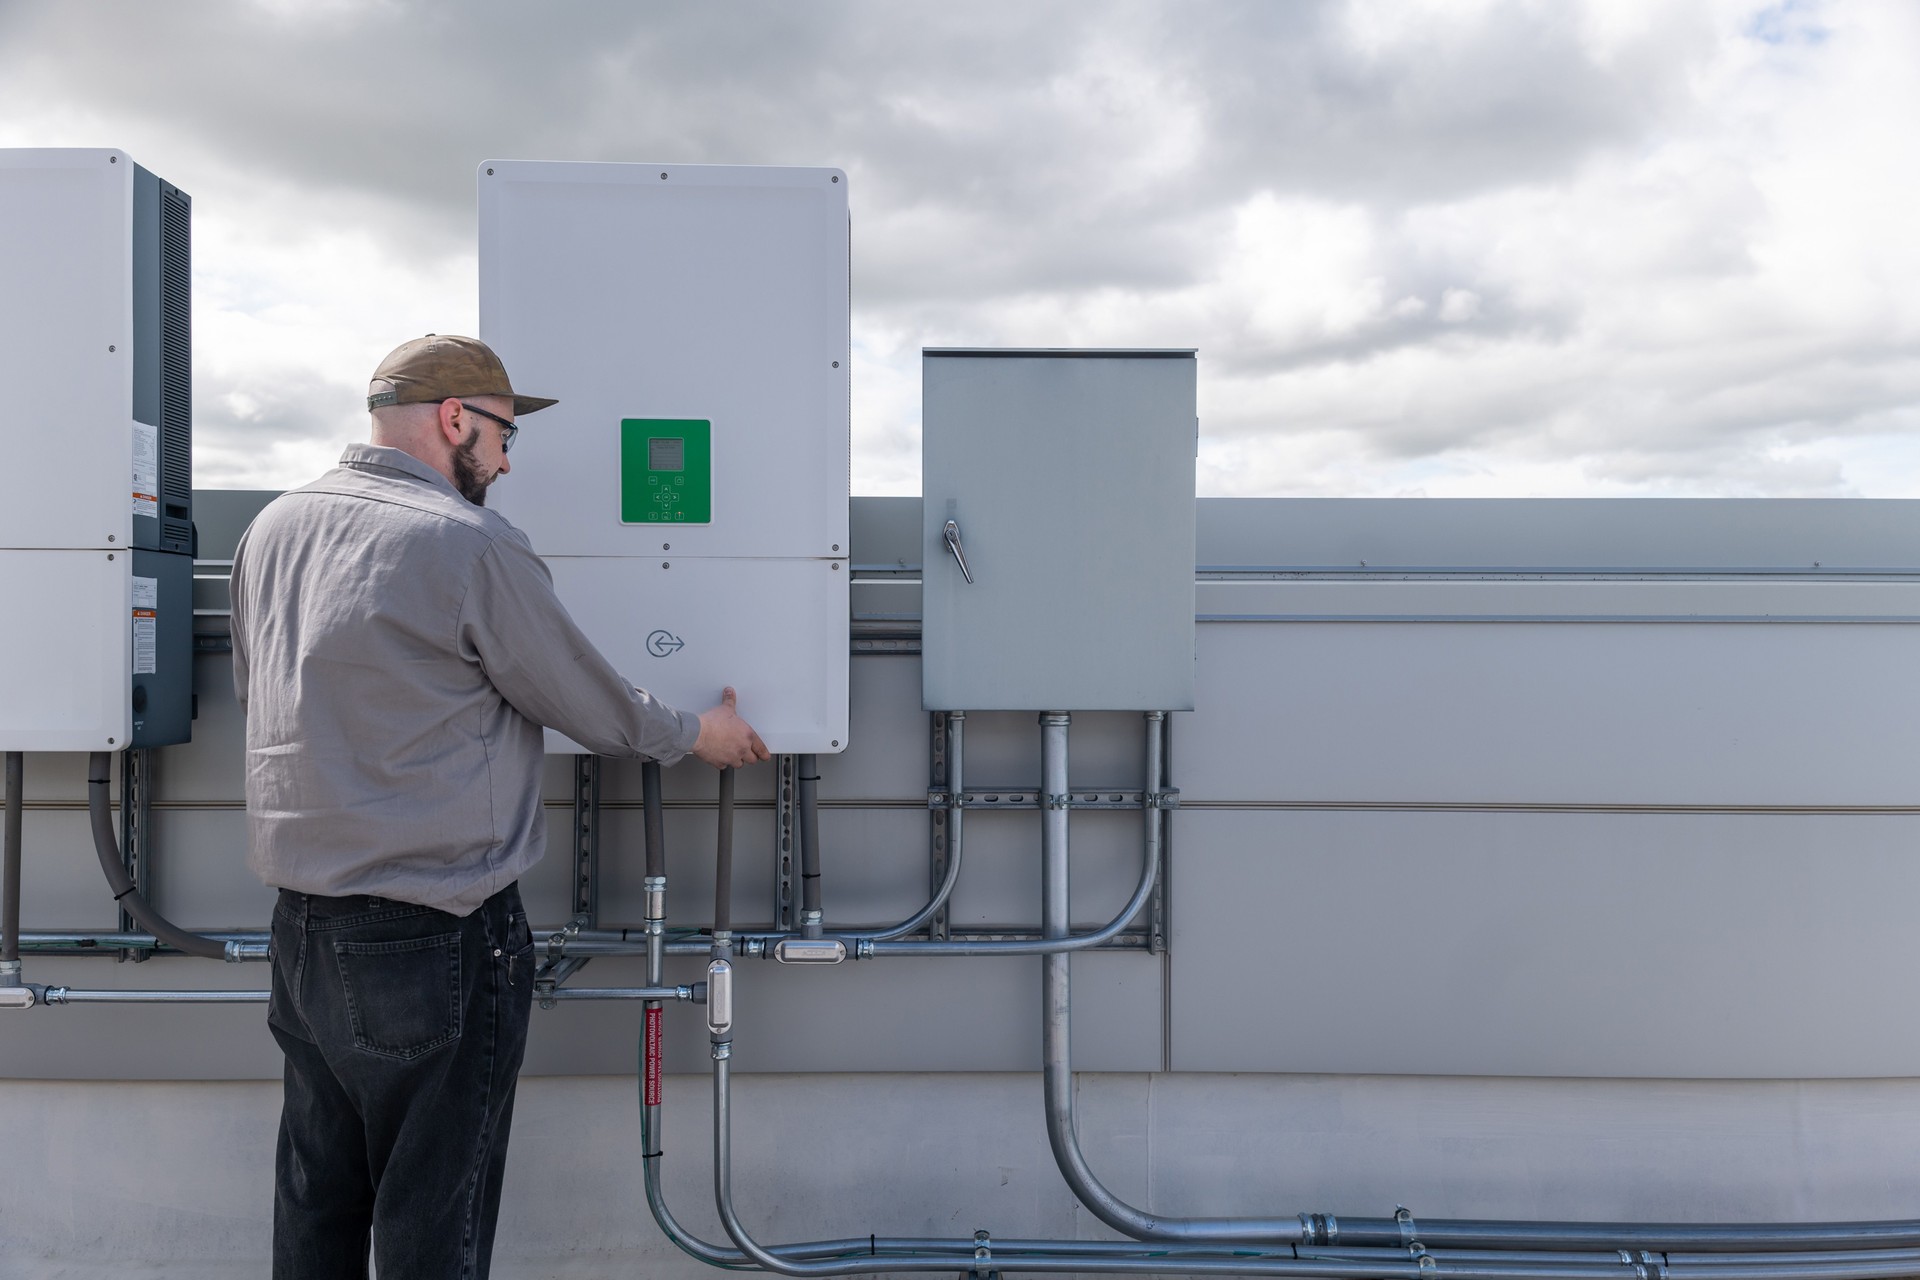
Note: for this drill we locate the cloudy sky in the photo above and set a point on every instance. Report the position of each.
(1441, 247)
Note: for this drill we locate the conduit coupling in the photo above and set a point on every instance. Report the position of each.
(810, 951)
(1319, 1229)
(656, 891)
(720, 996)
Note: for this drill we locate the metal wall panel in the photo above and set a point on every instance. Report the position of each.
(1688, 945)
(1418, 840)
(818, 1155)
(1688, 536)
(1699, 714)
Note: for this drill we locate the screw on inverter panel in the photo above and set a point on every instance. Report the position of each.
(489, 173)
(836, 177)
(665, 565)
(663, 177)
(111, 348)
(666, 546)
(836, 564)
(836, 364)
(113, 159)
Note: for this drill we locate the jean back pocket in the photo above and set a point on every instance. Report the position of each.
(403, 996)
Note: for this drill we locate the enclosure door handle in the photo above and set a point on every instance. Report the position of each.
(952, 535)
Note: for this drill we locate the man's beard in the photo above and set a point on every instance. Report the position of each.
(466, 471)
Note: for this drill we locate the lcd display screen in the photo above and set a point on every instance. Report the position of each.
(666, 453)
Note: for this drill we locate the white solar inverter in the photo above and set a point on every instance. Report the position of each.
(690, 490)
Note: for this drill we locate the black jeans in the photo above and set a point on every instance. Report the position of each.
(403, 1029)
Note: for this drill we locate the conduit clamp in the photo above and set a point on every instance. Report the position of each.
(1409, 1232)
(1647, 1266)
(1048, 800)
(982, 1253)
(558, 939)
(1168, 799)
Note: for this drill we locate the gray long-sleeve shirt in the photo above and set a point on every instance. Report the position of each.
(397, 650)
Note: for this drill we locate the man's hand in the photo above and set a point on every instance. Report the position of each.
(726, 741)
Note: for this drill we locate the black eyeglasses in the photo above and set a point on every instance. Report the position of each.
(507, 429)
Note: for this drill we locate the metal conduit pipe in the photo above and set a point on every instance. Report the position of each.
(10, 874)
(68, 995)
(956, 743)
(1056, 1002)
(963, 1255)
(1200, 1253)
(82, 941)
(652, 991)
(1909, 1256)
(140, 995)
(1395, 1232)
(656, 925)
(1650, 1265)
(1722, 1237)
(107, 845)
(1047, 944)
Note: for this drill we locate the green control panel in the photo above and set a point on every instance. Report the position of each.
(666, 471)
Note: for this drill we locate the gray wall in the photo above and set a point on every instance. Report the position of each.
(1608, 789)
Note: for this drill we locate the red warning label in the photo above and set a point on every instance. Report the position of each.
(653, 1056)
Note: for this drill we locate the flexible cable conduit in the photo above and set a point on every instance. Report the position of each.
(107, 845)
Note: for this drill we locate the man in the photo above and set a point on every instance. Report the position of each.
(397, 649)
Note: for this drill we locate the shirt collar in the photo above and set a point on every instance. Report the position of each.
(367, 457)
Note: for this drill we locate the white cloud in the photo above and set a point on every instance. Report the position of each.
(1439, 246)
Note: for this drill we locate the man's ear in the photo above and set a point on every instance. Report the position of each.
(449, 412)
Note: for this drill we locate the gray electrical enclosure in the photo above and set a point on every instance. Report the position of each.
(1064, 481)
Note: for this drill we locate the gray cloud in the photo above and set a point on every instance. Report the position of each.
(1430, 232)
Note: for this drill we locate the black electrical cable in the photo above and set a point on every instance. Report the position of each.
(107, 845)
(723, 860)
(655, 827)
(809, 835)
(10, 887)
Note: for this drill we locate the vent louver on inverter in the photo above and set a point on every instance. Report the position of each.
(176, 370)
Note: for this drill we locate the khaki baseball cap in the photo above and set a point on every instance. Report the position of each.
(443, 365)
